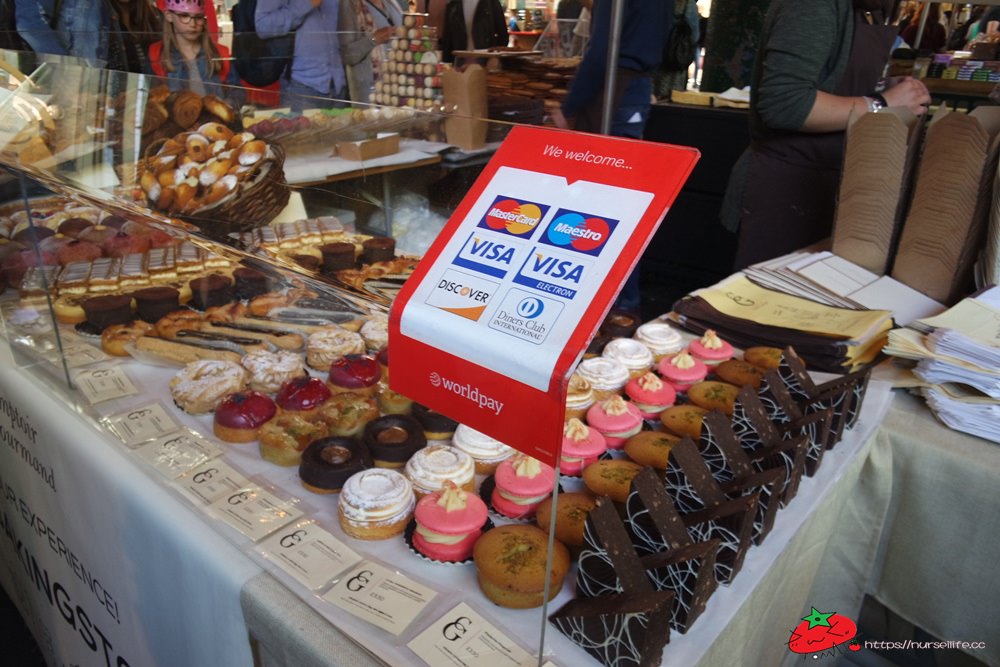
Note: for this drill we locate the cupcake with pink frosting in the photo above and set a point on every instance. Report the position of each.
(710, 349)
(650, 394)
(616, 419)
(581, 446)
(682, 371)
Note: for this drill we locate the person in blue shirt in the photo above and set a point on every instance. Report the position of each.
(316, 69)
(645, 26)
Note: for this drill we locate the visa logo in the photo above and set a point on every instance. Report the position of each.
(552, 274)
(486, 255)
(557, 268)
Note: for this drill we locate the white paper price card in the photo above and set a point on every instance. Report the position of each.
(82, 354)
(211, 481)
(176, 453)
(463, 637)
(104, 384)
(309, 553)
(255, 512)
(142, 424)
(380, 596)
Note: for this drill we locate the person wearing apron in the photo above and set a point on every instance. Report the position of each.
(783, 190)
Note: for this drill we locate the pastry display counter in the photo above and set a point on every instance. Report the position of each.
(197, 542)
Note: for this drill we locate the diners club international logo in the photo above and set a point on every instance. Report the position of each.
(823, 634)
(510, 215)
(581, 232)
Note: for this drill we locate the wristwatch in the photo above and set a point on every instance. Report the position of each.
(875, 104)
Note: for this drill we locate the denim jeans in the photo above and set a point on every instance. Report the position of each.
(299, 96)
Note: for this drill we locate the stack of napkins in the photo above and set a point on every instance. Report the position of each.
(828, 338)
(832, 280)
(946, 224)
(878, 158)
(958, 363)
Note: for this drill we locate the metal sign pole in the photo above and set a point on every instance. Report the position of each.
(614, 46)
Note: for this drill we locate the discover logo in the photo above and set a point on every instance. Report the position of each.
(468, 392)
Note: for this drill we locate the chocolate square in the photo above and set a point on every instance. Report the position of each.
(690, 574)
(720, 449)
(608, 562)
(619, 630)
(689, 481)
(731, 523)
(767, 485)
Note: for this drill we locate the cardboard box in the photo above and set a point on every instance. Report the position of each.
(384, 143)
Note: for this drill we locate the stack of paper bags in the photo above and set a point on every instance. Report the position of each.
(958, 367)
(878, 158)
(988, 272)
(831, 339)
(946, 223)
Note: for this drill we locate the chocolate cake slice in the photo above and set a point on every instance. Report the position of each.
(767, 486)
(608, 562)
(620, 630)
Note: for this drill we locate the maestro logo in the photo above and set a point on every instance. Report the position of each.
(582, 232)
(517, 217)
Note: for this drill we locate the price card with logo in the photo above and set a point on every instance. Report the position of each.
(176, 453)
(463, 637)
(104, 384)
(211, 481)
(309, 553)
(381, 596)
(82, 354)
(255, 512)
(141, 424)
(504, 302)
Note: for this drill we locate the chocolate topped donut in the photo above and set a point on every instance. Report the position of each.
(393, 439)
(436, 425)
(620, 324)
(328, 462)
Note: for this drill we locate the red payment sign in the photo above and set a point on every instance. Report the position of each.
(499, 311)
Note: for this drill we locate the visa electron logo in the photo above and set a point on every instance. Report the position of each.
(513, 216)
(551, 273)
(581, 232)
(466, 391)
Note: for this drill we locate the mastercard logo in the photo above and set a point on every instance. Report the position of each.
(513, 216)
(579, 231)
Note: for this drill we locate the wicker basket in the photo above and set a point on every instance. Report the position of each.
(251, 205)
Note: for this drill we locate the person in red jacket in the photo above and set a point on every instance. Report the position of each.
(188, 56)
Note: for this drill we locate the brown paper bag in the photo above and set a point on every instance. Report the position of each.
(465, 95)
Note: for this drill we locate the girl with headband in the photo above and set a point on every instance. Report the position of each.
(188, 56)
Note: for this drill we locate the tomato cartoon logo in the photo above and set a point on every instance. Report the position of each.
(819, 632)
(513, 216)
(582, 232)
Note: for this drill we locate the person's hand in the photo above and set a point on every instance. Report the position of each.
(559, 120)
(383, 35)
(910, 93)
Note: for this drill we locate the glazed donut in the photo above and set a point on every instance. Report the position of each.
(326, 464)
(214, 170)
(168, 325)
(220, 189)
(240, 138)
(117, 336)
(215, 132)
(393, 439)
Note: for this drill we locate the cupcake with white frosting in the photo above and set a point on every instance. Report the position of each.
(661, 339)
(486, 452)
(635, 356)
(607, 376)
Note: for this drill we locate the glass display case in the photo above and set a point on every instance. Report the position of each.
(148, 231)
